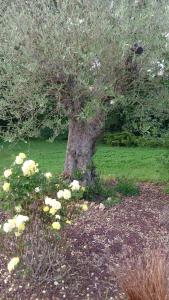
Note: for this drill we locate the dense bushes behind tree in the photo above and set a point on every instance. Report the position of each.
(143, 113)
(128, 139)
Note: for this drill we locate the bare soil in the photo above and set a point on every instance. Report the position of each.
(100, 242)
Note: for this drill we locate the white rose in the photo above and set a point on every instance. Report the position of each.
(66, 194)
(9, 226)
(18, 160)
(57, 217)
(53, 203)
(6, 187)
(7, 173)
(6, 227)
(22, 155)
(37, 189)
(60, 194)
(13, 263)
(21, 219)
(48, 175)
(48, 201)
(29, 168)
(12, 223)
(75, 186)
(56, 204)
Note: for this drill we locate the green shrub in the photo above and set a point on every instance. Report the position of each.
(165, 140)
(153, 141)
(129, 139)
(166, 190)
(109, 194)
(111, 201)
(120, 139)
(127, 188)
(46, 133)
(102, 192)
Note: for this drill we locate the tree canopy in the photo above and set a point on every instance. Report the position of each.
(70, 59)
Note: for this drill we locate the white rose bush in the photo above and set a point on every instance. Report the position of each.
(31, 195)
(13, 263)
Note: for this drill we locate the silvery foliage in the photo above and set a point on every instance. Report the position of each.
(62, 59)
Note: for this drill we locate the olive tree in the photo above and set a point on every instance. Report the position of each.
(65, 63)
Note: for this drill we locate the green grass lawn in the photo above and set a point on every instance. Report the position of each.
(141, 164)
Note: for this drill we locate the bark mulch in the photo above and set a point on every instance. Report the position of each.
(100, 243)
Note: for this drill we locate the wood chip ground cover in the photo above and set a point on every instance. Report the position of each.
(100, 243)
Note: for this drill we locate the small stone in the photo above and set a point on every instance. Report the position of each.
(64, 266)
(101, 206)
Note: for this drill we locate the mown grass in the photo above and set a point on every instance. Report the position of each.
(140, 164)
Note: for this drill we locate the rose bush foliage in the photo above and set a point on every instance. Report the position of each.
(29, 193)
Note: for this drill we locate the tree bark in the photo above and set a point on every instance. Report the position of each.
(80, 149)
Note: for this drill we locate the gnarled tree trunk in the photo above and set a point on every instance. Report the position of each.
(80, 149)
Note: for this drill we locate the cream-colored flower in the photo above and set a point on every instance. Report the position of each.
(56, 225)
(18, 208)
(52, 211)
(9, 226)
(66, 194)
(29, 168)
(60, 194)
(18, 233)
(56, 204)
(22, 155)
(20, 219)
(53, 203)
(84, 207)
(48, 175)
(7, 173)
(17, 222)
(57, 217)
(18, 160)
(37, 189)
(83, 188)
(13, 263)
(75, 186)
(6, 187)
(68, 222)
(21, 227)
(48, 200)
(12, 223)
(46, 208)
